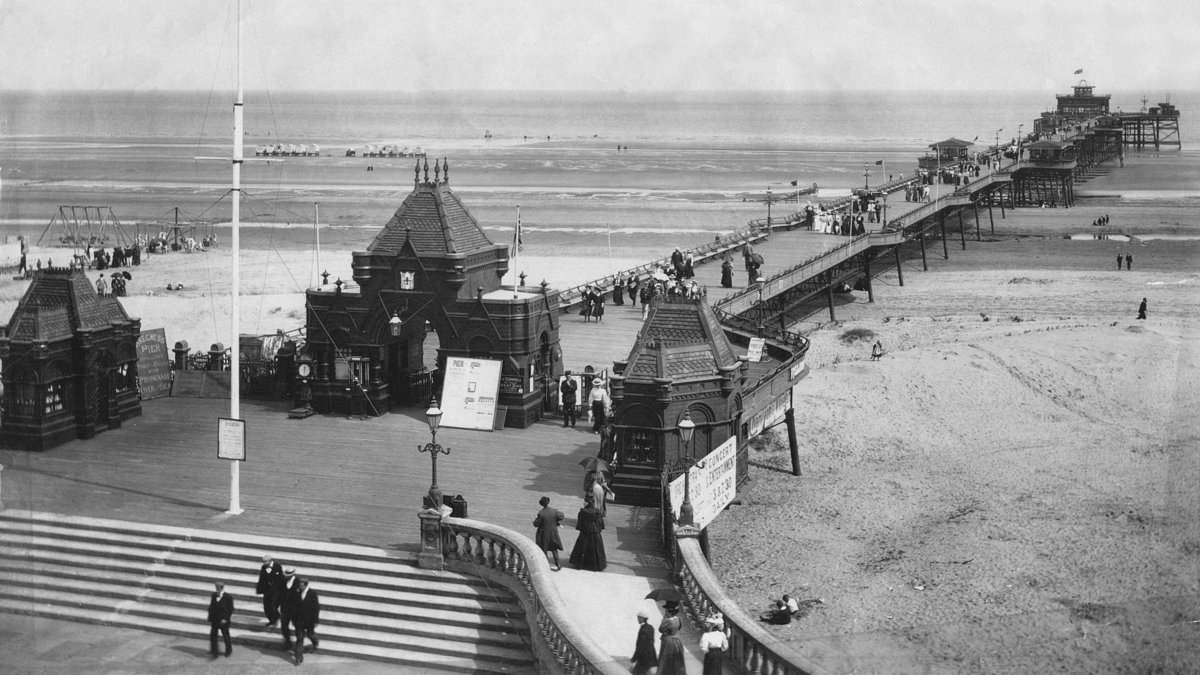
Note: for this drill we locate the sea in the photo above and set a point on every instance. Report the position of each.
(590, 173)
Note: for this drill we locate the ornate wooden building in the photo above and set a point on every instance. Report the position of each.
(70, 363)
(431, 271)
(681, 362)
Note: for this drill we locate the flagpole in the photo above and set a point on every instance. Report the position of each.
(517, 253)
(235, 368)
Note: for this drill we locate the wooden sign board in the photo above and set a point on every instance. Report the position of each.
(754, 352)
(712, 486)
(154, 364)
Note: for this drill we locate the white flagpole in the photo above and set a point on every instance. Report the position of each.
(235, 374)
(317, 238)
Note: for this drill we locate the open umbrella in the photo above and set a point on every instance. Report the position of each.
(594, 464)
(756, 259)
(668, 594)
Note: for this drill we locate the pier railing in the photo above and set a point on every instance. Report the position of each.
(510, 559)
(751, 233)
(752, 649)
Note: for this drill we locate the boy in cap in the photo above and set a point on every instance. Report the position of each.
(220, 611)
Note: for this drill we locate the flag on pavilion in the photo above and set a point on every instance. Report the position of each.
(518, 242)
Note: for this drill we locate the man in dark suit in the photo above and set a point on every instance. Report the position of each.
(220, 611)
(308, 612)
(270, 582)
(569, 391)
(289, 594)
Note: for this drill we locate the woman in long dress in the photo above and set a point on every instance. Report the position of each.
(727, 273)
(670, 648)
(588, 553)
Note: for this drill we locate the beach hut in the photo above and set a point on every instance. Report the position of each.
(70, 362)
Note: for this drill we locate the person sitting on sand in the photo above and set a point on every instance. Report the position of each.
(876, 351)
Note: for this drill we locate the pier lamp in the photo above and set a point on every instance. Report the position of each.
(1020, 142)
(768, 209)
(998, 147)
(866, 176)
(434, 417)
(395, 325)
(686, 428)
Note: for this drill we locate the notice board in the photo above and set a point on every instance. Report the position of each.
(469, 393)
(154, 364)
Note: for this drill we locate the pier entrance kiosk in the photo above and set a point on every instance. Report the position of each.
(430, 273)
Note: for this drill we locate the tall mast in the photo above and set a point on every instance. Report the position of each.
(235, 366)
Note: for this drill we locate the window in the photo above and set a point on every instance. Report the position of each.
(55, 399)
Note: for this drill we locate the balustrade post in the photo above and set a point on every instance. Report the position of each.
(431, 556)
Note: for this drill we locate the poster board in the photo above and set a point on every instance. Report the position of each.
(231, 438)
(712, 487)
(469, 393)
(154, 364)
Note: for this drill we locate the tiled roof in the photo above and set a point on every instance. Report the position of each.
(58, 302)
(691, 341)
(435, 221)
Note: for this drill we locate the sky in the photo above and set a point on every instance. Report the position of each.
(605, 45)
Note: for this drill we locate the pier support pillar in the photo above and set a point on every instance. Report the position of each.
(962, 230)
(789, 418)
(899, 269)
(978, 229)
(867, 271)
(945, 244)
(829, 294)
(991, 221)
(924, 261)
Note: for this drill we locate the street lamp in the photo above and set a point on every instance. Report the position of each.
(1019, 143)
(768, 209)
(997, 163)
(395, 324)
(434, 417)
(866, 176)
(686, 428)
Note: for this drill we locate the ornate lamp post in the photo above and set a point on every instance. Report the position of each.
(434, 417)
(686, 428)
(998, 153)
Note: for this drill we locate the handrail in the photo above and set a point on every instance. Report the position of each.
(752, 649)
(509, 558)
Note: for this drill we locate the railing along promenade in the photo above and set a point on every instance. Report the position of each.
(510, 559)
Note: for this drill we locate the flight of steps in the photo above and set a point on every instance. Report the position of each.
(375, 604)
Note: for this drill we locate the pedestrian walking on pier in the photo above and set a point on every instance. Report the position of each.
(568, 390)
(713, 644)
(1142, 310)
(308, 613)
(288, 594)
(588, 553)
(631, 287)
(670, 648)
(270, 583)
(644, 657)
(220, 612)
(547, 522)
(727, 273)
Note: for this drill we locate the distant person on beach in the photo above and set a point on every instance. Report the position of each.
(1118, 261)
(24, 267)
(1129, 263)
(876, 351)
(1142, 309)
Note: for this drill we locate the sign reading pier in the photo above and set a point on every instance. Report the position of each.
(469, 393)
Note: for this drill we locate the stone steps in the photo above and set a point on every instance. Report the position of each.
(375, 603)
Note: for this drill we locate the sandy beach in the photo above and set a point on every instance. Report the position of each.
(1012, 488)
